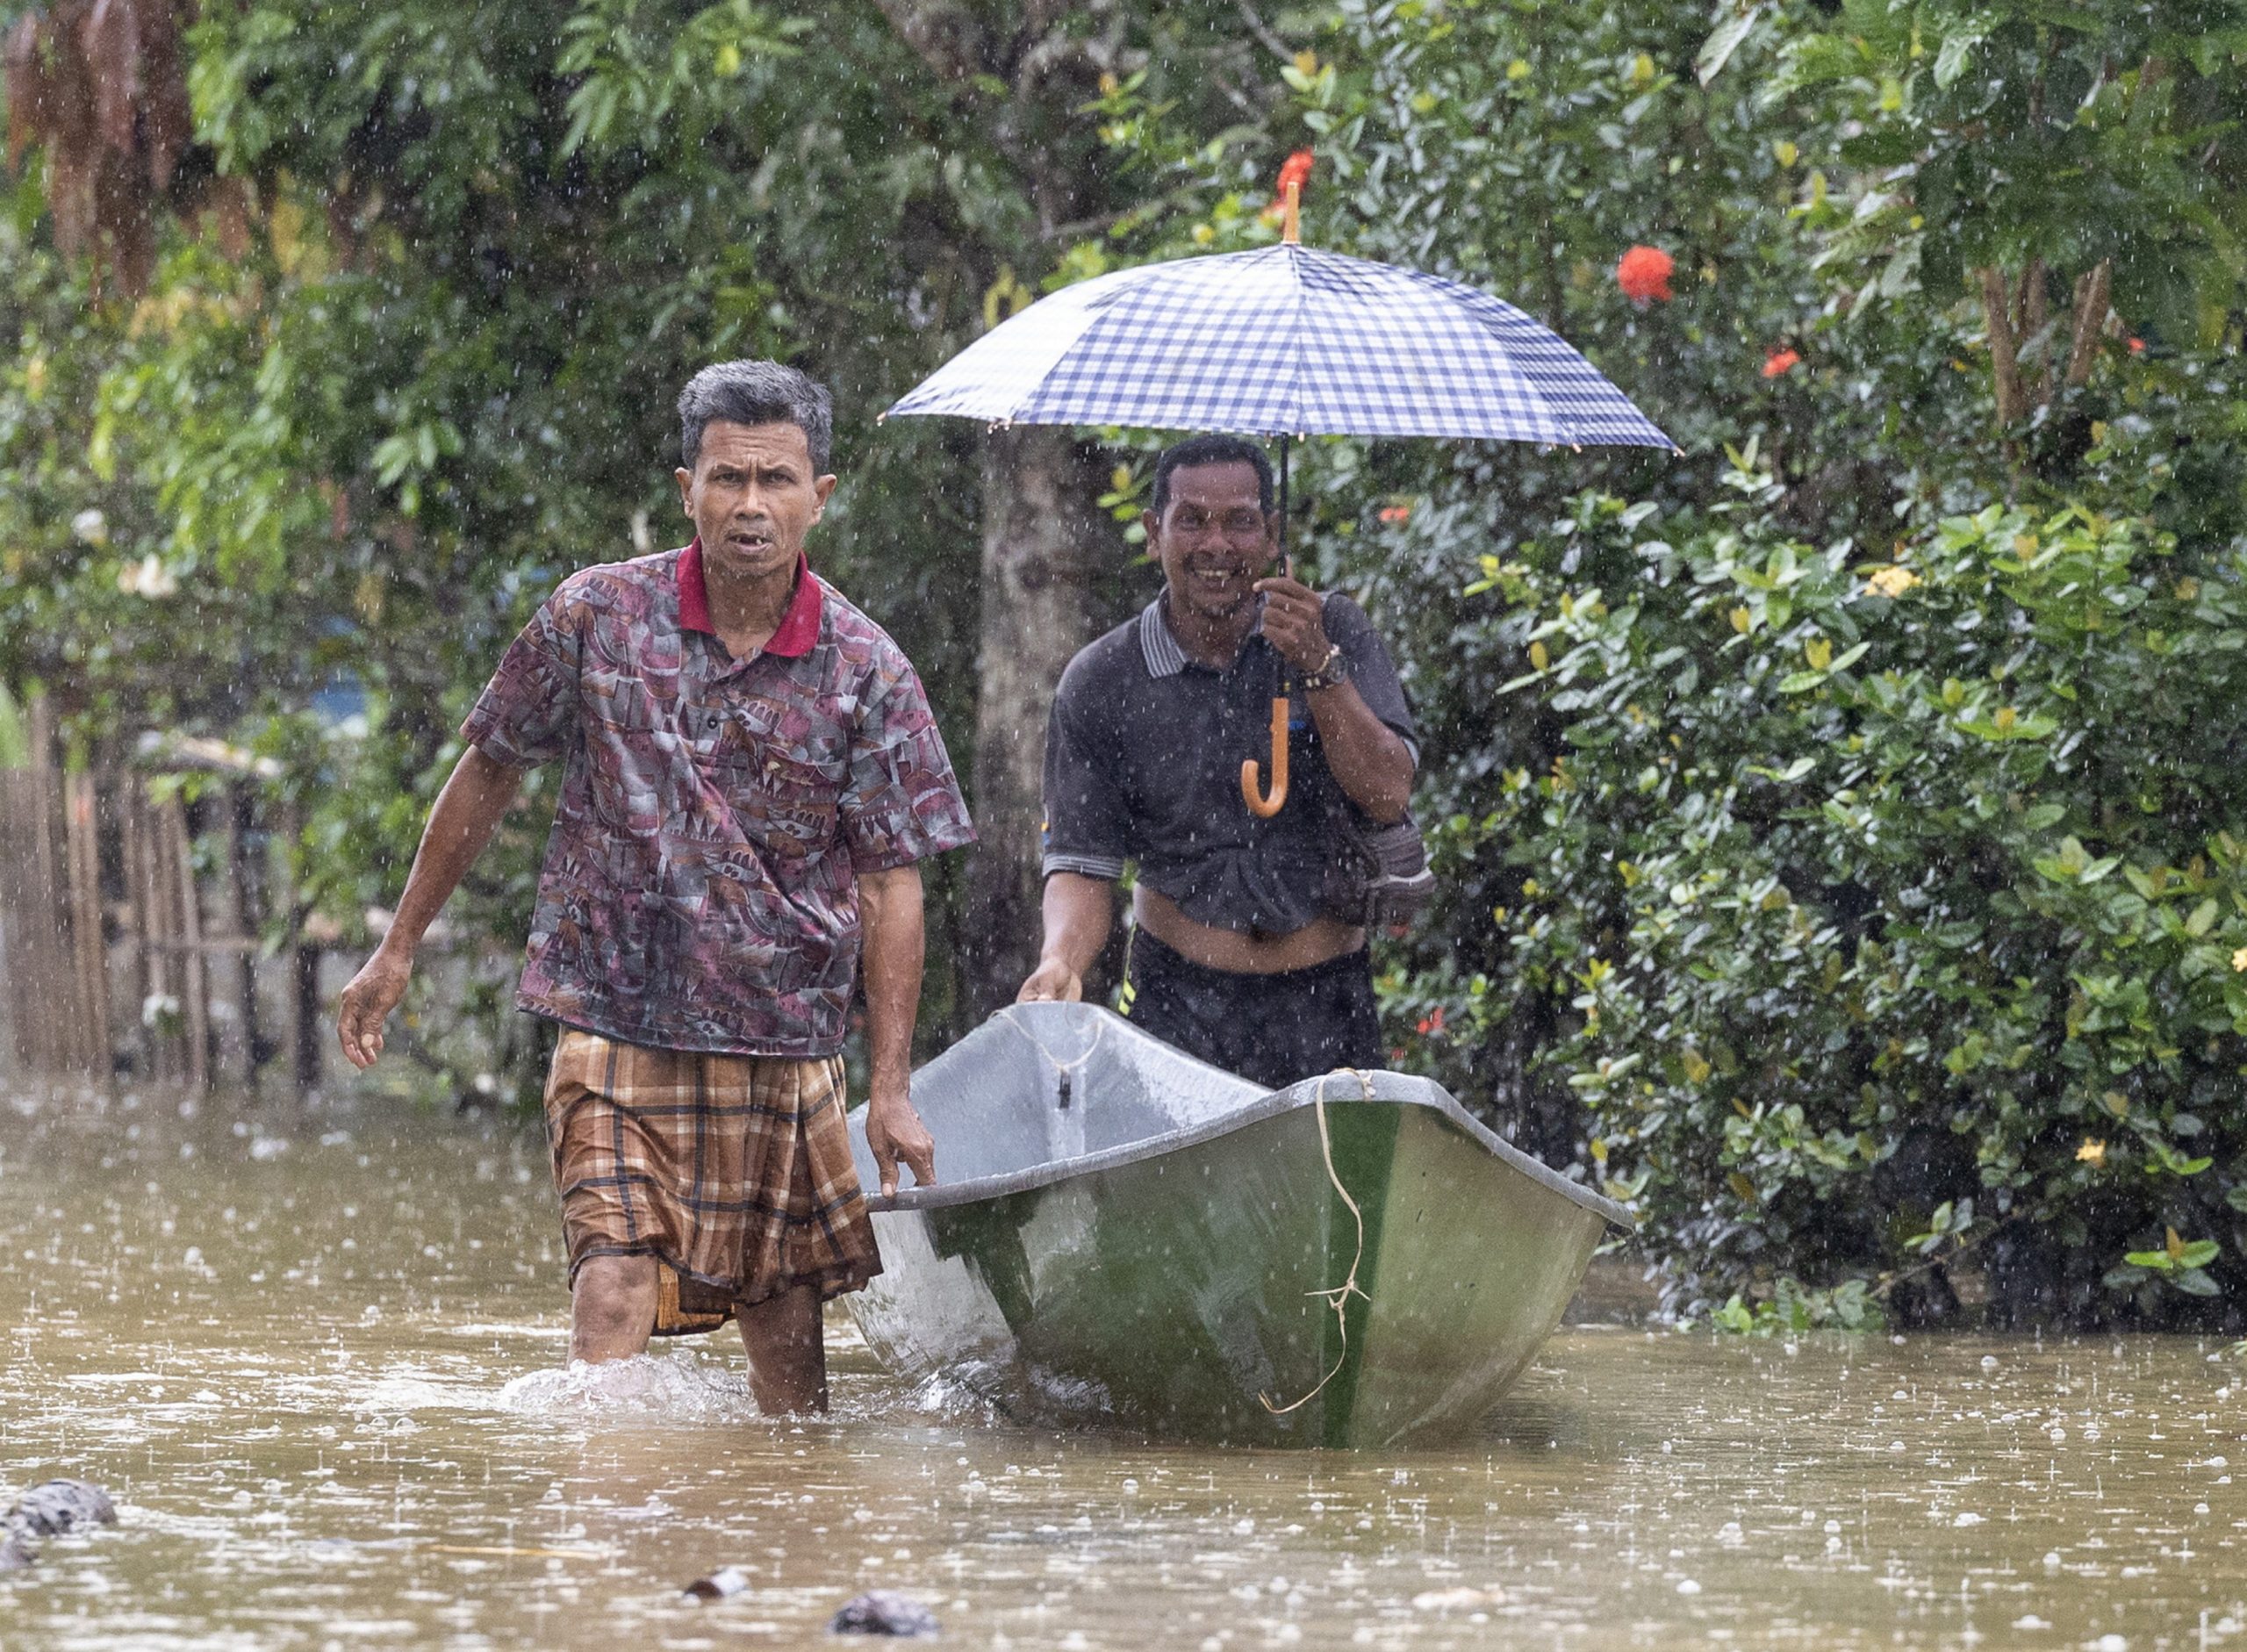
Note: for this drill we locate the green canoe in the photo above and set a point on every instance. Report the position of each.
(1125, 1235)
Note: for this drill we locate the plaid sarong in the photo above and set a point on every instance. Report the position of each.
(734, 1172)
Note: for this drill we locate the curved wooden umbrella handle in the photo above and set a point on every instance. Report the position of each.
(1250, 791)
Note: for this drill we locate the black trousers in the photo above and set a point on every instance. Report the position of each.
(1273, 1029)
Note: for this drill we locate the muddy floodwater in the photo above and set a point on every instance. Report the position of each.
(314, 1360)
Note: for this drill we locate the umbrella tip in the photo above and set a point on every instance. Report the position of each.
(1291, 222)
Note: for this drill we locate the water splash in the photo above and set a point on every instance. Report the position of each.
(682, 1388)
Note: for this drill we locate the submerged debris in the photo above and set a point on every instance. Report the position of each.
(727, 1580)
(884, 1612)
(49, 1510)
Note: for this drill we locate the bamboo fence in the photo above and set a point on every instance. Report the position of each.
(113, 947)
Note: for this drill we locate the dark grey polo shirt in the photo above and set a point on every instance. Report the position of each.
(1143, 757)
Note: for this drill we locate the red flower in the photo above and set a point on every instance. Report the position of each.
(1432, 1022)
(1396, 513)
(1295, 169)
(1644, 275)
(2137, 346)
(1781, 362)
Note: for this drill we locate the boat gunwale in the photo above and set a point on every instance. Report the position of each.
(1380, 1088)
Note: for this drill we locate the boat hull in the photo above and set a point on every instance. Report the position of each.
(1190, 1291)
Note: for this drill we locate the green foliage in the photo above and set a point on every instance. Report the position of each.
(487, 245)
(15, 737)
(1792, 1310)
(1987, 133)
(1841, 853)
(1872, 882)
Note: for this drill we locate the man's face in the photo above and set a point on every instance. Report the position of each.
(1213, 538)
(752, 496)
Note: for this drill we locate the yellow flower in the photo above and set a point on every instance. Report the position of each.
(1306, 61)
(1892, 581)
(2091, 1151)
(1741, 619)
(1819, 652)
(2239, 959)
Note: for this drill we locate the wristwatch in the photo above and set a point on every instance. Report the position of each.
(1332, 671)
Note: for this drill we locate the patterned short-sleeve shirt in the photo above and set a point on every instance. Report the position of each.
(699, 888)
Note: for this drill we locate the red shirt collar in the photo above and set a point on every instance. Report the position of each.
(799, 625)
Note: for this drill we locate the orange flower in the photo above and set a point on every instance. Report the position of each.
(1295, 170)
(1644, 275)
(2137, 346)
(1780, 362)
(1396, 513)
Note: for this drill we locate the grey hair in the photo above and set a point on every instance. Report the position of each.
(757, 393)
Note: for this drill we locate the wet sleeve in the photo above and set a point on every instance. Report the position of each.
(1371, 669)
(1087, 828)
(528, 713)
(901, 802)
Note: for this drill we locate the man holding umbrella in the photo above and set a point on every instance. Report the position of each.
(1249, 946)
(1243, 954)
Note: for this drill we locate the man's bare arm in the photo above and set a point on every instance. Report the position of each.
(1368, 759)
(889, 909)
(1078, 913)
(465, 814)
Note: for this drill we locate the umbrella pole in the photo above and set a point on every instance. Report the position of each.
(1286, 442)
(1252, 791)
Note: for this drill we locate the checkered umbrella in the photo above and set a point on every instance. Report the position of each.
(1284, 340)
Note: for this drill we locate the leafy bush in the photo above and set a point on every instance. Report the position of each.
(1899, 903)
(1838, 850)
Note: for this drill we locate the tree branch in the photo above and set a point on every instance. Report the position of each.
(1262, 31)
(2093, 299)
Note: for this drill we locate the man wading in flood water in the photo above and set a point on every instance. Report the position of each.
(752, 769)
(1249, 949)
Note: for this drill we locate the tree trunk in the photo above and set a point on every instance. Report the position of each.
(2004, 365)
(1044, 543)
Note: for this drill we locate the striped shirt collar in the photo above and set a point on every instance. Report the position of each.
(1158, 644)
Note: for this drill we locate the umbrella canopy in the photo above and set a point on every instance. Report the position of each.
(1284, 340)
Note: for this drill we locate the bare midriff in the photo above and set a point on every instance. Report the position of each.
(1239, 952)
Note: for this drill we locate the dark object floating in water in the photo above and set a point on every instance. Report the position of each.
(884, 1612)
(727, 1580)
(49, 1510)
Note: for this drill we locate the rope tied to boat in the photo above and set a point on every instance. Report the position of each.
(1337, 1297)
(1068, 1069)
